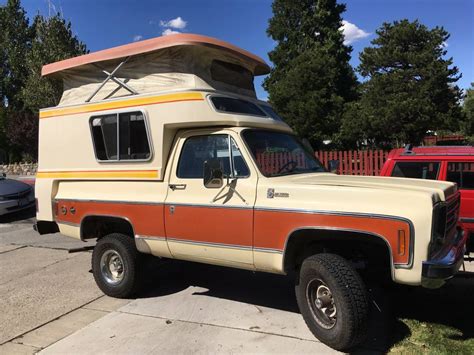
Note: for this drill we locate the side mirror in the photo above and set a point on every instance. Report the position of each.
(213, 175)
(334, 166)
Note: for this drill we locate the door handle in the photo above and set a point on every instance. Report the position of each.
(177, 186)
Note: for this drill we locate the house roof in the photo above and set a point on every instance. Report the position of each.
(153, 45)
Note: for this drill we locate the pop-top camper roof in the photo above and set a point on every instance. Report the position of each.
(174, 62)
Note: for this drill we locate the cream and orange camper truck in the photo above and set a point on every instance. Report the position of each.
(161, 147)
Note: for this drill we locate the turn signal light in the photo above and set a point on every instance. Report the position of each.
(401, 242)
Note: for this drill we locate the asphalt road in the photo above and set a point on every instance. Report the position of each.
(49, 302)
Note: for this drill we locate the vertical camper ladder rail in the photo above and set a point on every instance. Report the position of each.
(111, 76)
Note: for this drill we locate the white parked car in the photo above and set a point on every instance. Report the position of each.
(15, 195)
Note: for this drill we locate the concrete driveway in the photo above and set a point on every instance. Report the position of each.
(49, 303)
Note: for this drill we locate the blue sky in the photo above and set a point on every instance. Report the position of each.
(107, 23)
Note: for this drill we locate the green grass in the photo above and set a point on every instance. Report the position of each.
(433, 338)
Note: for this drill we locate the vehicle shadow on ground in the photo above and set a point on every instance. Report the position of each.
(23, 215)
(450, 305)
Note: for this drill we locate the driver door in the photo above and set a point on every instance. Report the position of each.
(213, 225)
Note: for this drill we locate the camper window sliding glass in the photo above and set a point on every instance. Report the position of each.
(120, 137)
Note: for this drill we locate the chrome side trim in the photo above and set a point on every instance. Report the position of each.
(208, 206)
(467, 220)
(72, 224)
(219, 245)
(337, 213)
(146, 203)
(149, 237)
(210, 244)
(268, 250)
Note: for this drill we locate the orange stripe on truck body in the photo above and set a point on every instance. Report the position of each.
(273, 227)
(146, 218)
(239, 227)
(222, 225)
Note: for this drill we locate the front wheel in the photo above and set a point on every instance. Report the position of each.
(115, 265)
(333, 300)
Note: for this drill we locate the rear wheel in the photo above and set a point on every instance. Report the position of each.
(115, 265)
(333, 300)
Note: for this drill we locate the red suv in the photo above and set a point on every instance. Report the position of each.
(454, 164)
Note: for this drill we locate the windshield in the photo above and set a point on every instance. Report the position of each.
(278, 154)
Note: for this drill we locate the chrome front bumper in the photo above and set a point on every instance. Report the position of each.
(445, 264)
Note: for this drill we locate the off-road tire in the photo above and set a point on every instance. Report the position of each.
(125, 247)
(349, 294)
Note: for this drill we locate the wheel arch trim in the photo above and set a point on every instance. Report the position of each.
(85, 217)
(393, 266)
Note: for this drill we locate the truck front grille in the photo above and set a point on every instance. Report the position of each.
(445, 219)
(452, 213)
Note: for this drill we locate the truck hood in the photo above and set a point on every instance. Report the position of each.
(443, 190)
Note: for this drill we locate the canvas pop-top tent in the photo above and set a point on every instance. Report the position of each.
(174, 62)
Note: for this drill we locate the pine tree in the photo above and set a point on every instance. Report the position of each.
(312, 79)
(410, 86)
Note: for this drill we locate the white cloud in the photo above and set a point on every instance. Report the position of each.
(137, 38)
(352, 33)
(177, 23)
(169, 31)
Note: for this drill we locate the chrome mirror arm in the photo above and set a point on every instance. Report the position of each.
(229, 185)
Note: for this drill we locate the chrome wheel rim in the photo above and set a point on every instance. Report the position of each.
(322, 304)
(111, 267)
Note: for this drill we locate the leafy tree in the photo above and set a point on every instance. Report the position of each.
(410, 88)
(15, 42)
(53, 41)
(24, 50)
(468, 108)
(311, 79)
(22, 131)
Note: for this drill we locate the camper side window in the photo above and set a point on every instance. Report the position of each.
(120, 137)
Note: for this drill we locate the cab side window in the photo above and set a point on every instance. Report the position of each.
(196, 150)
(120, 137)
(416, 170)
(462, 173)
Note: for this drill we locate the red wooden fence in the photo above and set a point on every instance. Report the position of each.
(353, 162)
(362, 162)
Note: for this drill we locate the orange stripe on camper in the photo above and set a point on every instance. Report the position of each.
(103, 106)
(102, 174)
